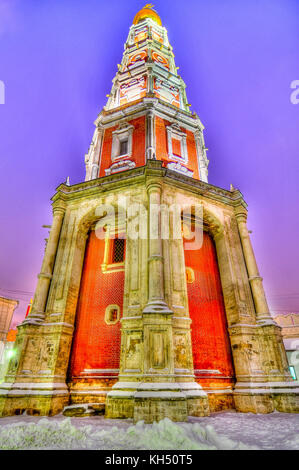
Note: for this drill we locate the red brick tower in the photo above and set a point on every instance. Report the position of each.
(147, 117)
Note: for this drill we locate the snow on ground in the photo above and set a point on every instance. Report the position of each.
(225, 430)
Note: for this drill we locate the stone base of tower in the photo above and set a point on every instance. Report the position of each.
(151, 402)
(220, 400)
(219, 389)
(87, 390)
(42, 401)
(261, 398)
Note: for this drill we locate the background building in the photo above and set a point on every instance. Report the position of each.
(290, 333)
(8, 352)
(7, 308)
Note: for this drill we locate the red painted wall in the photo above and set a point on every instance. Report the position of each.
(138, 145)
(162, 146)
(96, 345)
(210, 341)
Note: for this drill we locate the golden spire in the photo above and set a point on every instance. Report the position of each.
(147, 12)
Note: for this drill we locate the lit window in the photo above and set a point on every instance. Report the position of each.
(122, 142)
(190, 275)
(293, 372)
(177, 143)
(112, 314)
(123, 147)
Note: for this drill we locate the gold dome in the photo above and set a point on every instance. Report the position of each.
(147, 12)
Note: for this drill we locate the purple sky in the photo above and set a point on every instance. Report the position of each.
(238, 59)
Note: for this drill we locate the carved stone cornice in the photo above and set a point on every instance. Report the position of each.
(153, 168)
(141, 106)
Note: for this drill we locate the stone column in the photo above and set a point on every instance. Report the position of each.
(92, 159)
(156, 302)
(150, 132)
(45, 276)
(94, 171)
(201, 158)
(97, 153)
(256, 281)
(265, 396)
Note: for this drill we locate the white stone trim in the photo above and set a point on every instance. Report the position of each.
(121, 165)
(202, 160)
(176, 166)
(174, 132)
(125, 132)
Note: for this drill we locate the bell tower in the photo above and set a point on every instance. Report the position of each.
(147, 110)
(149, 303)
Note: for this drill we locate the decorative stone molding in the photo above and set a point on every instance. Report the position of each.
(174, 132)
(180, 169)
(123, 133)
(122, 165)
(44, 275)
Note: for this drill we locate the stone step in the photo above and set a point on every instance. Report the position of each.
(84, 410)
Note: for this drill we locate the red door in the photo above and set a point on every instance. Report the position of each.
(210, 342)
(96, 343)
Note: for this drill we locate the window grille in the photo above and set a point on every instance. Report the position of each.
(123, 147)
(118, 253)
(113, 315)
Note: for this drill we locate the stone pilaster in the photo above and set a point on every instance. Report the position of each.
(44, 278)
(264, 383)
(256, 281)
(156, 301)
(150, 136)
(92, 158)
(203, 162)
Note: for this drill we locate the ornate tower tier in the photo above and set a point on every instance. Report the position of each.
(147, 115)
(149, 303)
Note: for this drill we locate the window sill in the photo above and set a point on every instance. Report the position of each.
(113, 268)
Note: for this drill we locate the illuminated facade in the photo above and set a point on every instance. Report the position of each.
(150, 326)
(8, 352)
(7, 308)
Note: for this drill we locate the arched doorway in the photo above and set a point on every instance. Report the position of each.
(95, 351)
(212, 358)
